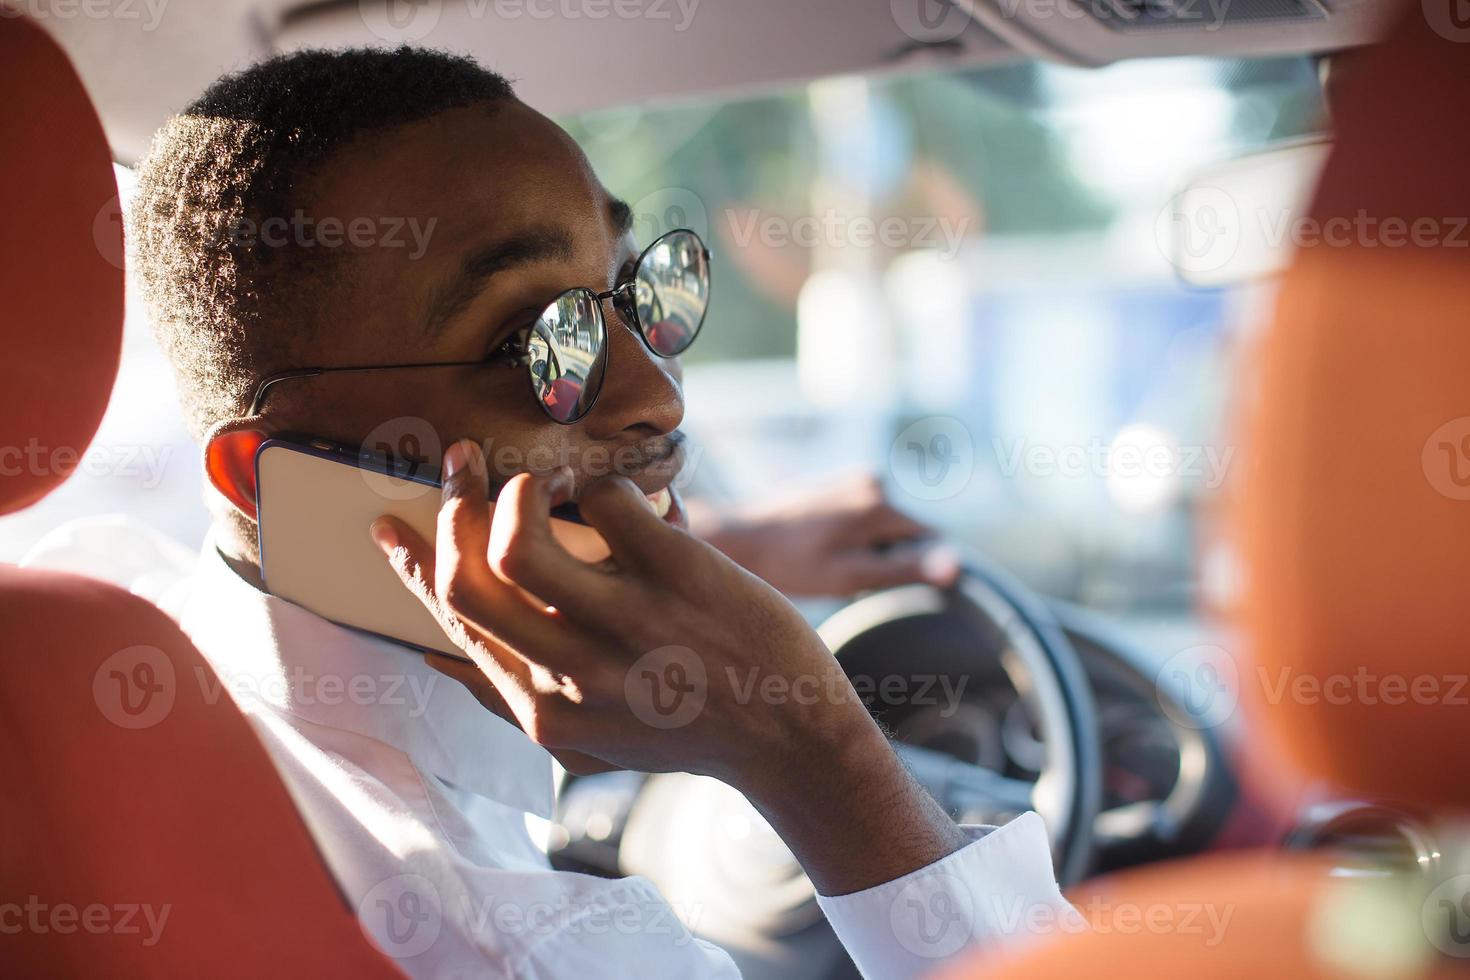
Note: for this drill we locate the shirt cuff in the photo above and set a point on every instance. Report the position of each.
(998, 889)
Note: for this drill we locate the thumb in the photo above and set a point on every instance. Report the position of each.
(618, 511)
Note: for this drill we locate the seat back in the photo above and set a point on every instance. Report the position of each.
(1355, 520)
(143, 829)
(1354, 523)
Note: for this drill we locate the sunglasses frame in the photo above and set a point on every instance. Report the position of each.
(623, 302)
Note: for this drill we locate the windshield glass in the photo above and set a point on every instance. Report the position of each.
(962, 282)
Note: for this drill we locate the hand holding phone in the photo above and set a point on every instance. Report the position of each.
(316, 502)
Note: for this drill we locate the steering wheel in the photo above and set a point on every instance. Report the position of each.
(988, 706)
(1029, 741)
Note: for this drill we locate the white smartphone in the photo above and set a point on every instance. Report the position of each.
(315, 502)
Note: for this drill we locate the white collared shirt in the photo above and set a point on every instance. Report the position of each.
(418, 798)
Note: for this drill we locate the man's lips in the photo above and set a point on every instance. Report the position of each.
(656, 476)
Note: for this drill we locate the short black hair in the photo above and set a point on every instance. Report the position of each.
(223, 309)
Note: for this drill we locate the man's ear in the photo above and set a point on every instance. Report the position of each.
(229, 462)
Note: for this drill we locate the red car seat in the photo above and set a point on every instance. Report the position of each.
(143, 830)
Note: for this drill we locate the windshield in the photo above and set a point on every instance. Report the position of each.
(961, 281)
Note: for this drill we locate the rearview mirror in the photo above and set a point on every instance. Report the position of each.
(1240, 221)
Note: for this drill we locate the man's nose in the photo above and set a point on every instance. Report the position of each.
(639, 389)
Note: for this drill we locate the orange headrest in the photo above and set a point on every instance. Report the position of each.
(61, 278)
(1355, 516)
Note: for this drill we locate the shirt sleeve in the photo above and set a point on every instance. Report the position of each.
(1000, 888)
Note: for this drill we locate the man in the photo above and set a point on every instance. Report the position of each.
(419, 800)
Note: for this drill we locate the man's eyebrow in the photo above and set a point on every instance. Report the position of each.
(622, 216)
(536, 245)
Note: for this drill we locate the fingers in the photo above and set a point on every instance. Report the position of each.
(523, 552)
(414, 561)
(933, 564)
(474, 678)
(481, 614)
(464, 521)
(887, 523)
(463, 579)
(618, 511)
(870, 517)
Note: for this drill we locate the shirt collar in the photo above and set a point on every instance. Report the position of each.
(274, 653)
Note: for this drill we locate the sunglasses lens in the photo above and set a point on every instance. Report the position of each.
(672, 291)
(567, 349)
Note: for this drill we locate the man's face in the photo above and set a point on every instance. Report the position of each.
(508, 215)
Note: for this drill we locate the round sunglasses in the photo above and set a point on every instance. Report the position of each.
(565, 351)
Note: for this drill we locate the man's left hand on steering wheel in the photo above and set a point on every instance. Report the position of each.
(838, 540)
